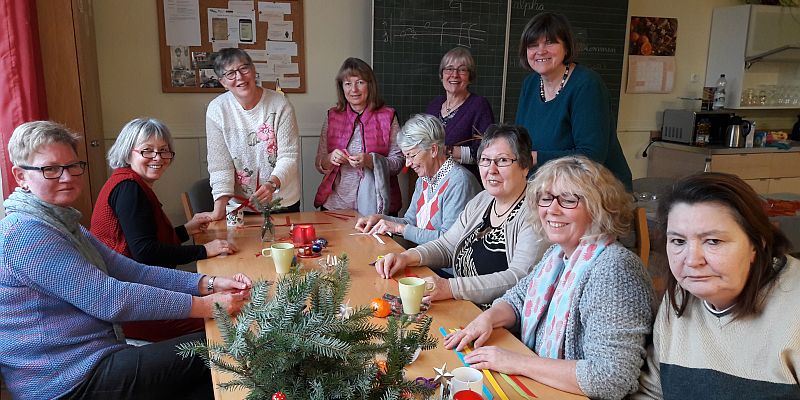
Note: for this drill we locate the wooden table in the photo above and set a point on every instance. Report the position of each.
(362, 250)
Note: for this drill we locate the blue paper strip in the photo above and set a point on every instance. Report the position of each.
(461, 357)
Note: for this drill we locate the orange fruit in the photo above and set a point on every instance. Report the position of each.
(380, 307)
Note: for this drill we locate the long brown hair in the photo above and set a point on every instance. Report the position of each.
(357, 67)
(746, 207)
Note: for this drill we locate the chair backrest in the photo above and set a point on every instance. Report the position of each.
(198, 199)
(642, 235)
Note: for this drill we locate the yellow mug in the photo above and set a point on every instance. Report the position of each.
(281, 254)
(411, 291)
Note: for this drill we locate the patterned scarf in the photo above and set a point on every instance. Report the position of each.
(551, 295)
(63, 219)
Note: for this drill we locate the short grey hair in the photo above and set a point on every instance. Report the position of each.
(456, 56)
(133, 134)
(227, 57)
(516, 136)
(30, 136)
(423, 130)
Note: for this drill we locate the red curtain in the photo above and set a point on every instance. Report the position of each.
(22, 95)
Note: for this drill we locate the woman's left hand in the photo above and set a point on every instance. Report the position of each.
(360, 160)
(384, 226)
(441, 289)
(199, 223)
(264, 194)
(236, 282)
(498, 359)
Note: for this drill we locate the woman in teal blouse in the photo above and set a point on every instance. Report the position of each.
(565, 106)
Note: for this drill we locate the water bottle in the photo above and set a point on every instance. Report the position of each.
(719, 94)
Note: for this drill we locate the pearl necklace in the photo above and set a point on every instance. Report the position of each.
(560, 87)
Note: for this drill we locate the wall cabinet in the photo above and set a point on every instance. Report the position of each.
(766, 170)
(754, 45)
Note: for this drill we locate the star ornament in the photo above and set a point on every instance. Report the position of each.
(442, 375)
(345, 310)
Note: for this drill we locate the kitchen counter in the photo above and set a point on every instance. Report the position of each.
(727, 150)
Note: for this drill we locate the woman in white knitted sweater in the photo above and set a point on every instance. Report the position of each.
(252, 136)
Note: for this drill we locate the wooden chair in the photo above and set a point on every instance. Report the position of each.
(197, 199)
(642, 235)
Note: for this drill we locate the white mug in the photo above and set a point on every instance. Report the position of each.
(466, 378)
(234, 218)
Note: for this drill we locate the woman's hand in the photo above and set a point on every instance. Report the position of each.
(237, 282)
(361, 160)
(441, 289)
(479, 331)
(365, 224)
(199, 223)
(387, 266)
(338, 157)
(263, 194)
(219, 246)
(231, 301)
(498, 359)
(384, 226)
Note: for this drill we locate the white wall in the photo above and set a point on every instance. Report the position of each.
(130, 81)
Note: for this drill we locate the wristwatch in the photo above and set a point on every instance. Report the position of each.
(210, 284)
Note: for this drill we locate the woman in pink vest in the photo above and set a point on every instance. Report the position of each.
(357, 149)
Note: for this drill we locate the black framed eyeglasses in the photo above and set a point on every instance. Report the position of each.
(566, 200)
(500, 162)
(454, 70)
(151, 154)
(55, 171)
(244, 70)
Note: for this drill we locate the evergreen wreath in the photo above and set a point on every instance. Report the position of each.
(291, 338)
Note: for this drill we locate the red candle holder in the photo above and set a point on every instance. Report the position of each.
(303, 235)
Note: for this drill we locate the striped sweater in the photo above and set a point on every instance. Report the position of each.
(704, 356)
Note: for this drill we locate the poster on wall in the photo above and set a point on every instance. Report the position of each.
(651, 54)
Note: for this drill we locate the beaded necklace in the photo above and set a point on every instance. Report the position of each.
(560, 87)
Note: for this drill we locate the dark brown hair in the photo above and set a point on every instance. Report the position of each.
(357, 67)
(518, 139)
(554, 27)
(747, 209)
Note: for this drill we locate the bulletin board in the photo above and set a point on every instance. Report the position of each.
(191, 31)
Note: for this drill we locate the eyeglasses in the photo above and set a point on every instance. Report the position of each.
(244, 70)
(151, 154)
(459, 70)
(566, 200)
(500, 162)
(55, 171)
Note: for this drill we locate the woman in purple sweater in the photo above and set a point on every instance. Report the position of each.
(465, 116)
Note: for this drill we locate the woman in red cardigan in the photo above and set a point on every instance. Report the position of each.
(128, 217)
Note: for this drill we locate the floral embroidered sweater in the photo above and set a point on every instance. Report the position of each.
(245, 147)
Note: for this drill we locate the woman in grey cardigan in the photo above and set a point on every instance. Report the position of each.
(491, 245)
(585, 308)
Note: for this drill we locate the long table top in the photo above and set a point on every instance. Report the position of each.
(366, 284)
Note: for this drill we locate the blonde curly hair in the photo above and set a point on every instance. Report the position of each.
(603, 195)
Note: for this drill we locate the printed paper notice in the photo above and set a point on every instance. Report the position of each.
(281, 31)
(288, 48)
(257, 55)
(287, 69)
(182, 22)
(649, 74)
(290, 82)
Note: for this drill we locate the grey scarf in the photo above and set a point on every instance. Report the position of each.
(63, 219)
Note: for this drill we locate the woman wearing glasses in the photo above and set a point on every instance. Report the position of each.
(462, 113)
(128, 217)
(563, 104)
(252, 136)
(63, 293)
(358, 152)
(442, 191)
(491, 245)
(585, 308)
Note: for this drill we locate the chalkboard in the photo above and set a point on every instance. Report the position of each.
(410, 37)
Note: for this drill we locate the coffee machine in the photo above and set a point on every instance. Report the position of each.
(681, 126)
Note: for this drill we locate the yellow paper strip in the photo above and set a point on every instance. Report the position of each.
(488, 375)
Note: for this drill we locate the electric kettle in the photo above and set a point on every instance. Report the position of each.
(736, 133)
